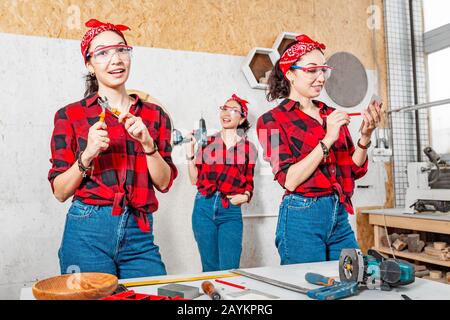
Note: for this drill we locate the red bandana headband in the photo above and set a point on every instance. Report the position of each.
(97, 27)
(303, 45)
(242, 102)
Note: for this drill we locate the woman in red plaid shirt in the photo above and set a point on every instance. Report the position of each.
(313, 157)
(110, 161)
(223, 172)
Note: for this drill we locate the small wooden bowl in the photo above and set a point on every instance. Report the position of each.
(76, 286)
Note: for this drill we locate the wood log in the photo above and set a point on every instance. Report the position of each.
(399, 245)
(420, 268)
(414, 243)
(439, 254)
(435, 274)
(421, 274)
(440, 245)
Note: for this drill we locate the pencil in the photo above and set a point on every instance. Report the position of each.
(230, 284)
(352, 114)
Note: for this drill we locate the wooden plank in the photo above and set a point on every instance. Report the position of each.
(415, 256)
(411, 223)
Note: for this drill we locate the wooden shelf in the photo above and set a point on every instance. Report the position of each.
(257, 63)
(414, 256)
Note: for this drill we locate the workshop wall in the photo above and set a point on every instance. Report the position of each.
(188, 56)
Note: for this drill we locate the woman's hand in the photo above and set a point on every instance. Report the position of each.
(335, 121)
(137, 130)
(372, 120)
(238, 199)
(98, 141)
(190, 146)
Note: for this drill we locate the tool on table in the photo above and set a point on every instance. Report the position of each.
(319, 279)
(175, 280)
(120, 288)
(428, 184)
(208, 288)
(199, 134)
(337, 291)
(333, 290)
(273, 282)
(372, 268)
(179, 290)
(230, 284)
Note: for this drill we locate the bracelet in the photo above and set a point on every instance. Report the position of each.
(248, 194)
(326, 151)
(155, 149)
(81, 166)
(364, 147)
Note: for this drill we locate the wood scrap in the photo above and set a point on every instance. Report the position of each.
(420, 268)
(399, 245)
(440, 245)
(435, 274)
(414, 243)
(448, 277)
(439, 254)
(421, 274)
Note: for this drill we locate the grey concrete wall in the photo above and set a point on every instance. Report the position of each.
(40, 75)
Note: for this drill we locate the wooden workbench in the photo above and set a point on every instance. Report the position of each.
(397, 218)
(295, 274)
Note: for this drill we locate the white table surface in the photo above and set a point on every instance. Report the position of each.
(421, 289)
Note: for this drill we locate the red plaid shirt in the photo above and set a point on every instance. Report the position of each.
(228, 171)
(288, 135)
(120, 176)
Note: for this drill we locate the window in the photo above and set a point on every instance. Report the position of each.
(436, 13)
(438, 89)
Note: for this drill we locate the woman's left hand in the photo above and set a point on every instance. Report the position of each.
(136, 129)
(372, 119)
(238, 199)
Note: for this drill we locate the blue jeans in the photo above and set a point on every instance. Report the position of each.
(96, 241)
(312, 229)
(218, 232)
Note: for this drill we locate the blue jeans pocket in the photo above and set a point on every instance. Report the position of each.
(80, 210)
(300, 202)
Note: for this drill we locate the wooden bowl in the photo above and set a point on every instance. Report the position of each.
(76, 286)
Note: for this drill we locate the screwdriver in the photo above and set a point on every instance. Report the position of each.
(319, 279)
(209, 289)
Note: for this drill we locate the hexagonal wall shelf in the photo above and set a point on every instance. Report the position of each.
(283, 40)
(258, 63)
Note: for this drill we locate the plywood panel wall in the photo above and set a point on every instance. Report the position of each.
(218, 26)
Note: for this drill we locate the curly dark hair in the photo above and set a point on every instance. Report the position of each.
(279, 86)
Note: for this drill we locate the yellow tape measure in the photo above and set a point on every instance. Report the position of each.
(163, 281)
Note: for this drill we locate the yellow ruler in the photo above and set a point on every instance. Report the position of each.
(163, 281)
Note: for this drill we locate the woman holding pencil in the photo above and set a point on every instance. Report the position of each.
(313, 157)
